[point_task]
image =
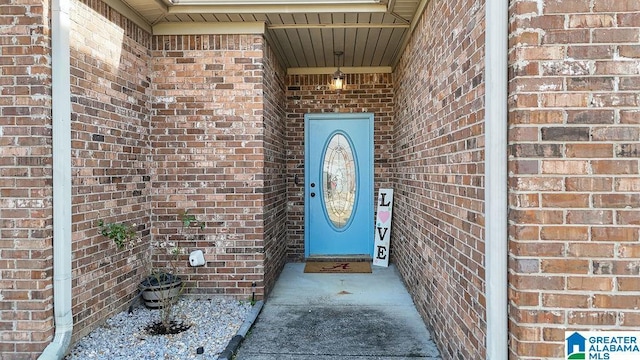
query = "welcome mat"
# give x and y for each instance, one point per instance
(344, 267)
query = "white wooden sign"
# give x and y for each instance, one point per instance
(383, 228)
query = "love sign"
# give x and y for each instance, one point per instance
(383, 228)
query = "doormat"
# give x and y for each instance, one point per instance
(343, 267)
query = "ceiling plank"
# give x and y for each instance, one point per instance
(274, 19)
(120, 7)
(248, 17)
(317, 43)
(370, 49)
(282, 38)
(222, 17)
(328, 41)
(306, 44)
(235, 17)
(209, 17)
(360, 46)
(276, 45)
(349, 41)
(261, 17)
(296, 46)
(394, 45)
(338, 46)
(383, 41)
(184, 17)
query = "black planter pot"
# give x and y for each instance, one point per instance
(160, 289)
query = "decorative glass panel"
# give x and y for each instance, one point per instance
(339, 180)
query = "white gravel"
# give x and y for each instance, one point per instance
(213, 323)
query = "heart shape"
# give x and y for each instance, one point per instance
(383, 216)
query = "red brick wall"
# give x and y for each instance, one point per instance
(26, 319)
(208, 139)
(438, 175)
(312, 93)
(110, 154)
(275, 168)
(574, 204)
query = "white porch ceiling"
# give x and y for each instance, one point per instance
(304, 33)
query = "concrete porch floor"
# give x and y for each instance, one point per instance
(338, 316)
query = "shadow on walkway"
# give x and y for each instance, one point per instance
(338, 316)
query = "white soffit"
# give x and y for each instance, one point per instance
(303, 33)
(130, 14)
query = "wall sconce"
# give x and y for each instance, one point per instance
(338, 77)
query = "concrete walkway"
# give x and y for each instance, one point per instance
(338, 316)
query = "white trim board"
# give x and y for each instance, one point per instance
(204, 28)
(347, 70)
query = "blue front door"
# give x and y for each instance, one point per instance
(338, 184)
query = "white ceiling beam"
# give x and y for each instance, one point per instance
(336, 26)
(344, 69)
(206, 6)
(206, 28)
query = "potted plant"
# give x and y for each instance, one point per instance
(162, 288)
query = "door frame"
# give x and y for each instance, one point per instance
(370, 204)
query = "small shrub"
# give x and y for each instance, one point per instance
(120, 233)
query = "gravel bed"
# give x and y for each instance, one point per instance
(213, 323)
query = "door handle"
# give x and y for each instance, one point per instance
(313, 185)
(313, 194)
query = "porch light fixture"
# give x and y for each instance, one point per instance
(338, 76)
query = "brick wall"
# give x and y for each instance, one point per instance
(110, 158)
(312, 93)
(574, 204)
(110, 154)
(275, 172)
(208, 157)
(26, 319)
(438, 175)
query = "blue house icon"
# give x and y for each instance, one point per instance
(575, 340)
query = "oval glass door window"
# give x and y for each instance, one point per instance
(339, 180)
